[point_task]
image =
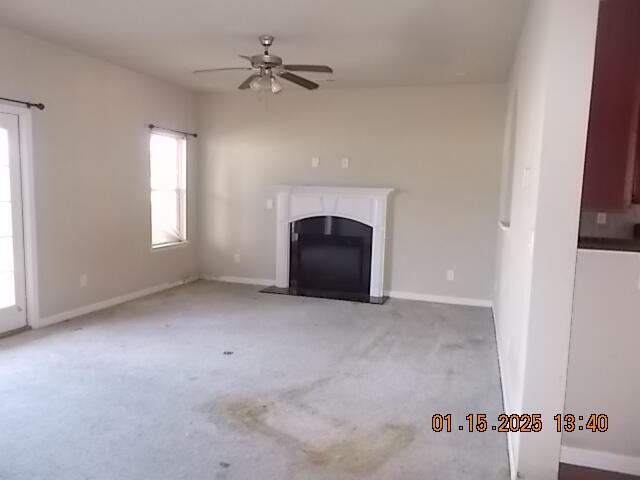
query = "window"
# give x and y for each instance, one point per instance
(168, 154)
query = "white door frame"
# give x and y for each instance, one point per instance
(28, 210)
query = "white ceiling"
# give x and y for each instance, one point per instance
(369, 43)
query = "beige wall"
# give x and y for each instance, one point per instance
(91, 171)
(603, 364)
(439, 147)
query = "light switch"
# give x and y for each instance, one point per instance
(269, 204)
(526, 177)
(345, 162)
(315, 162)
(532, 242)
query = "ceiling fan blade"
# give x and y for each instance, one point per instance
(309, 68)
(209, 70)
(303, 82)
(246, 57)
(244, 85)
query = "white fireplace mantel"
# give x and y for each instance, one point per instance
(365, 205)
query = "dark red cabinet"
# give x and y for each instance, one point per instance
(635, 196)
(612, 166)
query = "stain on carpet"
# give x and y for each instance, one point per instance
(321, 441)
(363, 453)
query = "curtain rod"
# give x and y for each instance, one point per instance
(186, 134)
(39, 106)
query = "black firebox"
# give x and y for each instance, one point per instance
(330, 257)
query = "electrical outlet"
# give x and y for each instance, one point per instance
(451, 275)
(601, 219)
(315, 162)
(84, 281)
(236, 258)
(345, 162)
(269, 204)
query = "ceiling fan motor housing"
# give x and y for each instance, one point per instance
(266, 61)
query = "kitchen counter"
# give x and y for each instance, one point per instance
(616, 244)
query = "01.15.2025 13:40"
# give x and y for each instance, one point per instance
(524, 423)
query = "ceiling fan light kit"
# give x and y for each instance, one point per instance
(275, 85)
(265, 82)
(267, 68)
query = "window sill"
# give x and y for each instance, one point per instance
(169, 246)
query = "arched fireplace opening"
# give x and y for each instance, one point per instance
(330, 257)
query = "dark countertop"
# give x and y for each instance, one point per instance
(615, 244)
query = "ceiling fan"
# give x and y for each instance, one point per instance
(267, 68)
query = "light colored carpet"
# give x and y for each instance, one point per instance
(313, 389)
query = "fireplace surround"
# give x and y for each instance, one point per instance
(367, 206)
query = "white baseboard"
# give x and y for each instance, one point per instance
(76, 312)
(244, 280)
(600, 460)
(470, 302)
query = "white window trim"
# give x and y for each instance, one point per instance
(182, 188)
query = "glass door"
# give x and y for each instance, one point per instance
(12, 276)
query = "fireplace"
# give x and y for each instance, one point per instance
(330, 257)
(330, 242)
